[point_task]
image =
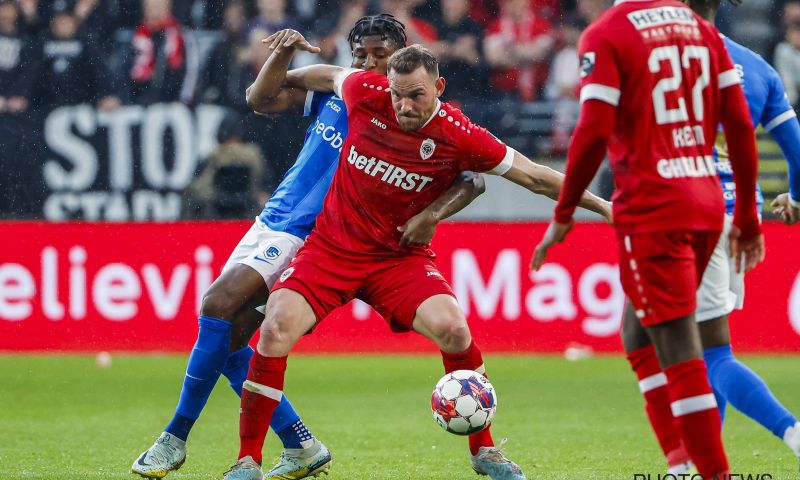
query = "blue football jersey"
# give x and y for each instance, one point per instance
(295, 204)
(768, 105)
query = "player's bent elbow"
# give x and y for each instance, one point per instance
(477, 182)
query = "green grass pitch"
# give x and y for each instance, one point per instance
(63, 417)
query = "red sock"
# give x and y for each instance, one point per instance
(469, 359)
(261, 393)
(695, 410)
(653, 385)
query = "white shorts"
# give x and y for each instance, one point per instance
(722, 289)
(266, 251)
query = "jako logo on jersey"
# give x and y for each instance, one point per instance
(329, 134)
(391, 174)
(377, 122)
(587, 63)
(287, 273)
(655, 17)
(427, 148)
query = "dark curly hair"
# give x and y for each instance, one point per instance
(383, 25)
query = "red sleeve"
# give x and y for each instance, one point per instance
(586, 152)
(738, 126)
(482, 151)
(600, 77)
(361, 86)
(600, 92)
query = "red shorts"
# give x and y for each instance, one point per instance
(395, 287)
(661, 271)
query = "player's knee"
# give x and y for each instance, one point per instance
(219, 304)
(283, 322)
(452, 332)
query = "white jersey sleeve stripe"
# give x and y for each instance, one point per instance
(505, 164)
(339, 79)
(307, 106)
(595, 91)
(787, 115)
(729, 79)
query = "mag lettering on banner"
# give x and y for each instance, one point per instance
(138, 287)
(153, 153)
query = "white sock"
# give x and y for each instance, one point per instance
(791, 437)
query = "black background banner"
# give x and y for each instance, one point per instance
(128, 164)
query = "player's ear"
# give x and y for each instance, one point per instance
(440, 84)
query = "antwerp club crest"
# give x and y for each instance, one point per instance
(426, 149)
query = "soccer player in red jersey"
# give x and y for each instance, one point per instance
(657, 80)
(403, 148)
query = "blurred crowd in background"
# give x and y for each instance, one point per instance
(512, 65)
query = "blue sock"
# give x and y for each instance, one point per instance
(236, 368)
(287, 425)
(746, 391)
(205, 365)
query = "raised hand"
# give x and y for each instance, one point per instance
(288, 38)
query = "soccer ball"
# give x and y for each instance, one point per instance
(463, 402)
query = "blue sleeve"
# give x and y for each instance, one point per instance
(313, 101)
(780, 120)
(787, 134)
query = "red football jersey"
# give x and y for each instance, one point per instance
(387, 175)
(662, 66)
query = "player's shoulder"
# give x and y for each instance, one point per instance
(367, 79)
(452, 121)
(742, 55)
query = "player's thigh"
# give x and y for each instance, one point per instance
(288, 316)
(254, 265)
(397, 288)
(440, 319)
(676, 341)
(325, 280)
(715, 332)
(658, 274)
(633, 334)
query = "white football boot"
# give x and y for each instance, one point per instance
(492, 462)
(166, 455)
(296, 463)
(244, 469)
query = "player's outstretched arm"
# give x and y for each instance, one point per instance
(419, 229)
(548, 182)
(787, 135)
(268, 94)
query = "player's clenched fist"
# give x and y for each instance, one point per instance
(289, 38)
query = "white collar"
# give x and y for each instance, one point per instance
(433, 115)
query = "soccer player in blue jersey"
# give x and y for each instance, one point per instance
(231, 310)
(722, 288)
